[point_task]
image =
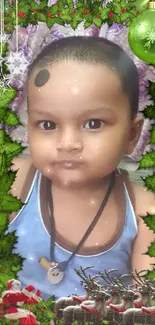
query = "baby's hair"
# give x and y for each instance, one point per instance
(94, 50)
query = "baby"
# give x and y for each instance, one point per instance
(80, 209)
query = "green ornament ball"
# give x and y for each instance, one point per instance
(141, 36)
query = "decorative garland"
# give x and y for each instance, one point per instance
(66, 12)
(63, 13)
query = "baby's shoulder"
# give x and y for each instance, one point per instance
(144, 199)
(22, 165)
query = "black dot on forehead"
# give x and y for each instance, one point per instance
(42, 77)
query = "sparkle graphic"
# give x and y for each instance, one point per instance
(150, 38)
(17, 63)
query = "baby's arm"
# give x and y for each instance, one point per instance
(144, 203)
(21, 165)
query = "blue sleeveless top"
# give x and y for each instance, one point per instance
(34, 242)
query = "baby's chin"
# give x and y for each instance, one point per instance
(68, 179)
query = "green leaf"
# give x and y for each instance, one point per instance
(12, 149)
(150, 182)
(87, 24)
(23, 6)
(7, 243)
(70, 4)
(7, 96)
(4, 49)
(33, 19)
(117, 19)
(8, 203)
(4, 221)
(149, 220)
(74, 24)
(51, 22)
(151, 250)
(133, 12)
(150, 274)
(148, 160)
(23, 22)
(67, 19)
(104, 13)
(2, 113)
(34, 5)
(3, 167)
(77, 17)
(152, 135)
(41, 17)
(7, 180)
(43, 4)
(97, 22)
(149, 112)
(89, 17)
(116, 8)
(123, 4)
(79, 4)
(124, 16)
(2, 137)
(48, 314)
(54, 9)
(11, 119)
(65, 11)
(59, 21)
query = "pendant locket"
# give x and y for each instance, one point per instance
(54, 274)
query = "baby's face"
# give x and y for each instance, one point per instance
(79, 121)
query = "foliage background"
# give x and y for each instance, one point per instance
(61, 12)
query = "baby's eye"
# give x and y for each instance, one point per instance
(47, 125)
(93, 124)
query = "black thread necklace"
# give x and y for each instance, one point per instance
(56, 272)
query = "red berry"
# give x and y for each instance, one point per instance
(86, 11)
(35, 11)
(97, 16)
(59, 13)
(21, 14)
(123, 9)
(49, 15)
(110, 14)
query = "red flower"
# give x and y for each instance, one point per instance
(35, 11)
(86, 11)
(97, 16)
(110, 14)
(123, 9)
(59, 13)
(49, 15)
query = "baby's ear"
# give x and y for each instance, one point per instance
(135, 132)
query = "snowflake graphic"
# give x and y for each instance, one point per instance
(17, 63)
(5, 81)
(150, 38)
(1, 60)
(4, 38)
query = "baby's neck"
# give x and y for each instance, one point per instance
(82, 191)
